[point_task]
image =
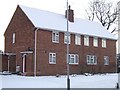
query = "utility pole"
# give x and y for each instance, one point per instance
(68, 68)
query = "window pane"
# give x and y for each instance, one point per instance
(52, 58)
(65, 40)
(104, 43)
(73, 58)
(54, 55)
(77, 39)
(76, 59)
(86, 40)
(55, 37)
(95, 60)
(91, 59)
(72, 55)
(106, 60)
(95, 42)
(13, 37)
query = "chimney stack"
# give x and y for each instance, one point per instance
(70, 14)
(119, 27)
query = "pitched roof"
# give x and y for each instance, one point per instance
(53, 21)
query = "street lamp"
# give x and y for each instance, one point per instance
(68, 69)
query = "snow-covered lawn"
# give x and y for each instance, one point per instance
(79, 81)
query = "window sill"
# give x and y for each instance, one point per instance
(77, 44)
(106, 64)
(91, 64)
(74, 63)
(86, 45)
(66, 43)
(52, 63)
(95, 46)
(55, 42)
(104, 47)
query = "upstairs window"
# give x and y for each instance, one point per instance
(77, 39)
(95, 41)
(55, 37)
(13, 37)
(52, 58)
(67, 39)
(86, 40)
(106, 60)
(91, 60)
(104, 43)
(73, 58)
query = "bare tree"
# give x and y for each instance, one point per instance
(104, 12)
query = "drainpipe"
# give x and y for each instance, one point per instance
(35, 54)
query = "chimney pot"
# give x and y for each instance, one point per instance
(69, 7)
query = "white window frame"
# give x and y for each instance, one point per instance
(65, 38)
(52, 56)
(104, 43)
(95, 42)
(55, 36)
(77, 39)
(73, 59)
(86, 40)
(106, 60)
(91, 59)
(13, 37)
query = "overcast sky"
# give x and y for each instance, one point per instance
(7, 8)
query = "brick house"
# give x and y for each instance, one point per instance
(38, 39)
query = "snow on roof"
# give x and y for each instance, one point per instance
(53, 21)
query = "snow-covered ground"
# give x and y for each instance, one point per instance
(78, 81)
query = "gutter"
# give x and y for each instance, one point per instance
(63, 31)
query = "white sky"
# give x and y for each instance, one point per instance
(7, 8)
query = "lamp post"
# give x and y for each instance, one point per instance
(68, 69)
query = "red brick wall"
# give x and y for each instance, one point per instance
(4, 62)
(45, 46)
(24, 30)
